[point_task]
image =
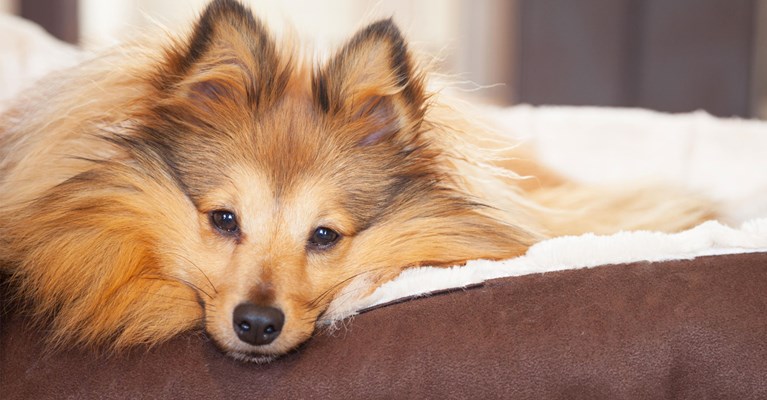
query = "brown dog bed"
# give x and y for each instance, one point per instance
(691, 329)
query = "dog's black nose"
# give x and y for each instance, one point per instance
(257, 325)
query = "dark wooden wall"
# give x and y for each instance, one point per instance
(58, 17)
(669, 55)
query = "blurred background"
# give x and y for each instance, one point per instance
(667, 55)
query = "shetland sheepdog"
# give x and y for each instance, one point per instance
(221, 181)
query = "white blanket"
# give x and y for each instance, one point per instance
(725, 159)
(27, 53)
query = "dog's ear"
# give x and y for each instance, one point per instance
(372, 81)
(229, 57)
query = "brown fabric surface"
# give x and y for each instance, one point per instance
(683, 329)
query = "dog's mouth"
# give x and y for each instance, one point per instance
(226, 339)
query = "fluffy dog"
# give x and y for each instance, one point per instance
(220, 181)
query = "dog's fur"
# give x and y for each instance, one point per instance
(109, 173)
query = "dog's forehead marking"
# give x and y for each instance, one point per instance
(285, 213)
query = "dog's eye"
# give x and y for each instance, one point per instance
(323, 238)
(225, 221)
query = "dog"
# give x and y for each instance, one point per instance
(220, 181)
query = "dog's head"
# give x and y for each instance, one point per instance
(300, 178)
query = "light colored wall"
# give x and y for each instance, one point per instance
(472, 37)
(8, 6)
(326, 21)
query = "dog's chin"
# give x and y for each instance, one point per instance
(243, 352)
(251, 357)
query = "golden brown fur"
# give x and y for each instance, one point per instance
(110, 172)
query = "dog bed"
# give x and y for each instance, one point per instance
(631, 315)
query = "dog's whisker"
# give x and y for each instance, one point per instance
(316, 303)
(182, 281)
(180, 299)
(193, 264)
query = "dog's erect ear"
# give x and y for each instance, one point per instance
(230, 56)
(373, 81)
